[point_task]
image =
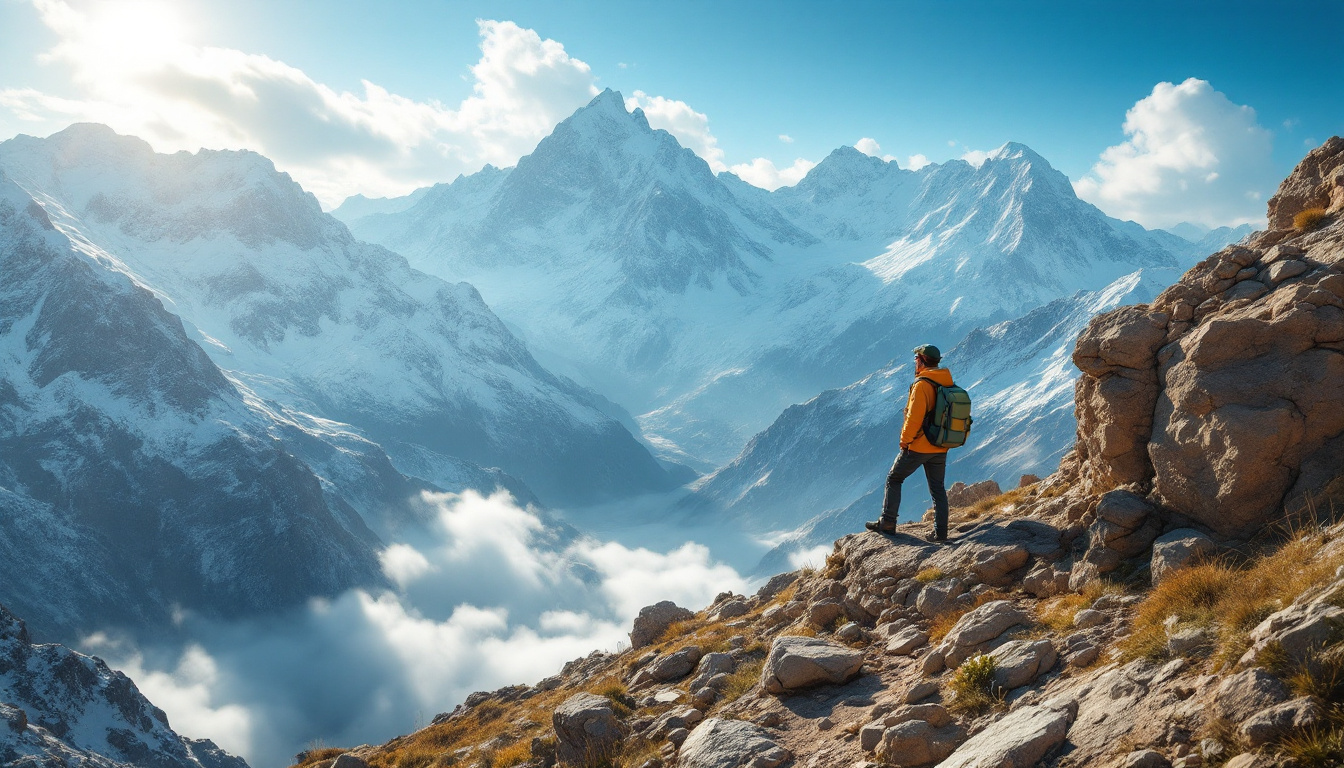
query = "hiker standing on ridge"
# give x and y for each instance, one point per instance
(925, 439)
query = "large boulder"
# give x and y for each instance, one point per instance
(978, 630)
(665, 669)
(1019, 740)
(720, 743)
(918, 742)
(586, 729)
(802, 662)
(1019, 662)
(1247, 692)
(653, 621)
(1178, 549)
(1296, 716)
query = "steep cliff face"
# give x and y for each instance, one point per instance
(1223, 396)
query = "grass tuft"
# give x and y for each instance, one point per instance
(1307, 220)
(929, 575)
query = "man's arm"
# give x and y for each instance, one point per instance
(916, 408)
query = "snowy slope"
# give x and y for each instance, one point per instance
(706, 306)
(821, 466)
(63, 708)
(282, 297)
(134, 475)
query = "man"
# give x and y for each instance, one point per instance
(916, 450)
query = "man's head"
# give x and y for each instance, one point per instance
(928, 355)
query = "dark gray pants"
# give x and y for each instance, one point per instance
(935, 471)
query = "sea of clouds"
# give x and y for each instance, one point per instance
(487, 595)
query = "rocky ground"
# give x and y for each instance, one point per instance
(1172, 596)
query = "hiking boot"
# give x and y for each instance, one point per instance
(934, 538)
(880, 526)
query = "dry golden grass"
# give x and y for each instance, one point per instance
(929, 575)
(835, 565)
(1309, 219)
(1229, 596)
(1320, 747)
(317, 754)
(740, 682)
(985, 506)
(1056, 613)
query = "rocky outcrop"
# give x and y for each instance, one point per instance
(731, 744)
(1221, 397)
(64, 708)
(586, 729)
(963, 495)
(653, 621)
(1021, 739)
(802, 662)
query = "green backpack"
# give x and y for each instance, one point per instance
(949, 421)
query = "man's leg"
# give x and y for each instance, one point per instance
(905, 465)
(935, 471)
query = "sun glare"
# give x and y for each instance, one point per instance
(137, 33)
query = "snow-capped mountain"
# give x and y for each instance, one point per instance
(62, 708)
(136, 479)
(706, 306)
(282, 297)
(821, 467)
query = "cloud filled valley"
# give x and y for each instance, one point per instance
(485, 599)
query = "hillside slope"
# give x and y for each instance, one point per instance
(1110, 615)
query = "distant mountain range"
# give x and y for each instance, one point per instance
(707, 306)
(189, 334)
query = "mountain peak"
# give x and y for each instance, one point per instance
(1016, 151)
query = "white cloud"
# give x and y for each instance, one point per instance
(1192, 155)
(677, 118)
(976, 157)
(871, 148)
(404, 564)
(488, 597)
(763, 173)
(786, 138)
(809, 558)
(133, 67)
(917, 161)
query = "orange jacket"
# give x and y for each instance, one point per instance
(917, 407)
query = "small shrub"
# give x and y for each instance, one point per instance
(835, 565)
(1307, 220)
(972, 686)
(929, 575)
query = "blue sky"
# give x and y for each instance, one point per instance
(929, 80)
